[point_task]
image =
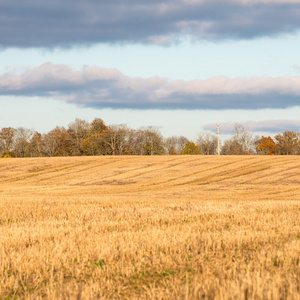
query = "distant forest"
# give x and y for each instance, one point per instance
(96, 138)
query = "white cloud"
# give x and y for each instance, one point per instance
(271, 126)
(99, 87)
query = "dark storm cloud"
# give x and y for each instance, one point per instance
(271, 126)
(40, 23)
(98, 88)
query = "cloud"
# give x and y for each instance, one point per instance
(271, 126)
(55, 23)
(102, 88)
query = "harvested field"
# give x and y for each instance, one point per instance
(165, 227)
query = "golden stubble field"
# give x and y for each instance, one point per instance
(168, 227)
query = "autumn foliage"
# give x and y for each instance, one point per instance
(82, 138)
(266, 146)
(191, 149)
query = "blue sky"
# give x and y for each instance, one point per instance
(181, 65)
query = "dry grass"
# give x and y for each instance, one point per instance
(150, 228)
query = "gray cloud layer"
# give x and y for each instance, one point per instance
(97, 87)
(272, 126)
(38, 23)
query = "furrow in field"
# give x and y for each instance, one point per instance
(42, 175)
(75, 174)
(131, 172)
(201, 175)
(261, 172)
(243, 173)
(184, 175)
(274, 175)
(207, 173)
(35, 168)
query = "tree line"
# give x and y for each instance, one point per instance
(96, 138)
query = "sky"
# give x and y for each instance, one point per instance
(181, 66)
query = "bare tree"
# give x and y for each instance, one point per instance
(153, 141)
(22, 141)
(232, 147)
(288, 143)
(51, 142)
(78, 131)
(208, 143)
(116, 138)
(145, 141)
(57, 143)
(175, 144)
(245, 138)
(36, 145)
(7, 139)
(135, 142)
(242, 142)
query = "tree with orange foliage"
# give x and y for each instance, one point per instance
(266, 146)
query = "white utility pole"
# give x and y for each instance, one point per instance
(218, 126)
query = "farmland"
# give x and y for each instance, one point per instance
(162, 227)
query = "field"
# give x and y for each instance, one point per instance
(169, 227)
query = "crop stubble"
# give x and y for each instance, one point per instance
(175, 227)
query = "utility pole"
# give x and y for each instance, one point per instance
(218, 126)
